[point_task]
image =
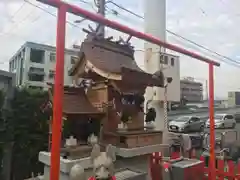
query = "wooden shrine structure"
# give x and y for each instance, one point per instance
(115, 85)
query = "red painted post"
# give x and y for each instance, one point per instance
(238, 169)
(212, 127)
(231, 169)
(220, 168)
(175, 155)
(155, 166)
(58, 94)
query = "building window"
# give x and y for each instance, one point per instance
(10, 66)
(52, 57)
(36, 74)
(51, 74)
(165, 59)
(172, 62)
(74, 59)
(14, 64)
(36, 77)
(37, 56)
(23, 53)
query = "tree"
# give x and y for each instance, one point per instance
(27, 127)
(1, 130)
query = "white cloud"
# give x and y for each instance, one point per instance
(210, 23)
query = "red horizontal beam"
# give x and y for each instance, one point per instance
(117, 26)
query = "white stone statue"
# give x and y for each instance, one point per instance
(103, 167)
(92, 139)
(102, 162)
(71, 141)
(122, 127)
(77, 173)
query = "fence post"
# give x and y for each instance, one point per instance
(220, 165)
(231, 169)
(238, 169)
(155, 166)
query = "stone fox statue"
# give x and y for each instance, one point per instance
(103, 167)
(77, 173)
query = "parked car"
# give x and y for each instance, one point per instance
(204, 119)
(223, 121)
(186, 124)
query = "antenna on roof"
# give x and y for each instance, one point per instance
(128, 39)
(91, 29)
(125, 42)
(93, 32)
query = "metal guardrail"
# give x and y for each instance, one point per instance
(186, 112)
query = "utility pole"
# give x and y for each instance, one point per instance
(101, 10)
(206, 86)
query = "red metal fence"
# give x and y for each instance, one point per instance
(224, 169)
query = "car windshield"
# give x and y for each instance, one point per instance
(218, 116)
(182, 119)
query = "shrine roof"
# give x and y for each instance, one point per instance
(107, 55)
(75, 102)
(112, 57)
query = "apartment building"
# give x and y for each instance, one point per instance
(191, 90)
(34, 65)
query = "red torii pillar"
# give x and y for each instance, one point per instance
(63, 8)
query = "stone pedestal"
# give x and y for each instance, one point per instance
(65, 165)
(134, 158)
(133, 139)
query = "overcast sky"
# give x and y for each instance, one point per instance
(212, 24)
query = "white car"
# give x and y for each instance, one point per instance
(223, 121)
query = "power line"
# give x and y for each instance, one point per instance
(139, 16)
(50, 13)
(15, 25)
(15, 13)
(235, 64)
(170, 32)
(89, 4)
(18, 10)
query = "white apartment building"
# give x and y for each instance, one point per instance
(34, 65)
(191, 90)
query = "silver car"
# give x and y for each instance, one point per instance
(223, 121)
(186, 124)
